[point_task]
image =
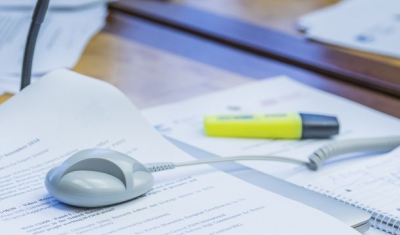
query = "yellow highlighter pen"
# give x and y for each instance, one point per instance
(272, 126)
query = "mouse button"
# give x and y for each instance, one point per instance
(53, 176)
(82, 155)
(98, 165)
(96, 154)
(90, 183)
(65, 167)
(142, 180)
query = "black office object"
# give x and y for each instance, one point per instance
(37, 20)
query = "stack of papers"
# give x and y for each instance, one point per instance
(98, 115)
(183, 121)
(63, 38)
(368, 25)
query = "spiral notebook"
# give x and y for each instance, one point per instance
(373, 186)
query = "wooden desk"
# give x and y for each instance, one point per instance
(153, 65)
(265, 27)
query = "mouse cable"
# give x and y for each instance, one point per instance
(316, 160)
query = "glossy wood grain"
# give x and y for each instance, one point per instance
(373, 72)
(5, 97)
(281, 15)
(155, 65)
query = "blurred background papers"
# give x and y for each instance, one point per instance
(53, 3)
(367, 25)
(62, 40)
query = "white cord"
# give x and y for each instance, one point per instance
(162, 166)
(318, 158)
(381, 144)
(242, 158)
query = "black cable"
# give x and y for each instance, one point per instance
(37, 20)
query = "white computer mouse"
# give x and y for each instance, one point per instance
(98, 177)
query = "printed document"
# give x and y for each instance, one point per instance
(65, 112)
(184, 121)
(368, 25)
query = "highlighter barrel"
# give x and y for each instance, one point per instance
(272, 126)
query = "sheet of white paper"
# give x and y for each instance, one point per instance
(369, 25)
(63, 37)
(53, 3)
(65, 112)
(305, 22)
(184, 121)
(375, 9)
(380, 37)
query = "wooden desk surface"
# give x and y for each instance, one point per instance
(280, 15)
(153, 65)
(265, 27)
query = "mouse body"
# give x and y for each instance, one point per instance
(98, 177)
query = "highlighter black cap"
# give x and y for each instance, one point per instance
(318, 126)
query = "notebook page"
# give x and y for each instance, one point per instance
(373, 186)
